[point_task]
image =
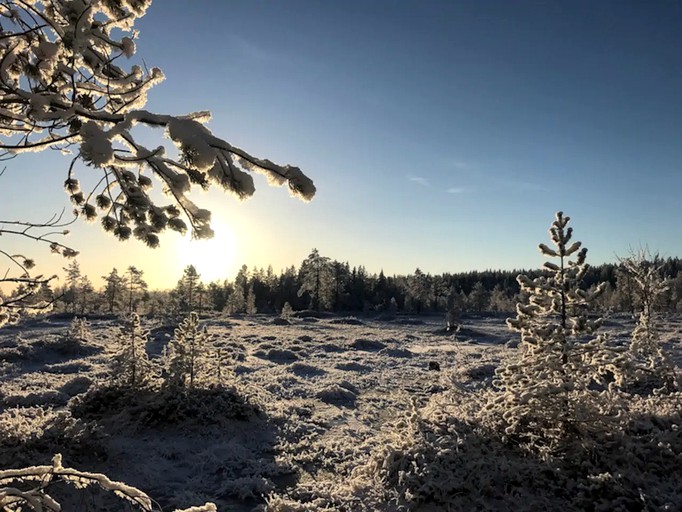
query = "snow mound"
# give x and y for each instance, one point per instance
(396, 352)
(368, 345)
(306, 370)
(343, 393)
(148, 407)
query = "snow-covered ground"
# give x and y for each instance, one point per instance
(321, 395)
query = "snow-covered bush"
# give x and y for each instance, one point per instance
(79, 330)
(186, 358)
(28, 434)
(76, 340)
(287, 311)
(29, 488)
(440, 458)
(63, 87)
(159, 407)
(131, 366)
(557, 386)
(649, 365)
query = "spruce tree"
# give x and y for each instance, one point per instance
(549, 392)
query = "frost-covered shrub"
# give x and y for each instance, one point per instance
(287, 311)
(163, 406)
(440, 458)
(454, 308)
(648, 364)
(131, 366)
(28, 433)
(33, 488)
(186, 359)
(76, 340)
(557, 386)
(79, 330)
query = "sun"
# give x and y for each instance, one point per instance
(214, 259)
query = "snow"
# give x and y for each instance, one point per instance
(328, 398)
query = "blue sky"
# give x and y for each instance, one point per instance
(440, 135)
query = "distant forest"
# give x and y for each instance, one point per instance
(322, 284)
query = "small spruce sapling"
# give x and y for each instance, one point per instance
(649, 364)
(131, 366)
(76, 339)
(549, 392)
(79, 331)
(186, 357)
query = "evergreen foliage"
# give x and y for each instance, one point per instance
(135, 286)
(287, 311)
(354, 290)
(454, 310)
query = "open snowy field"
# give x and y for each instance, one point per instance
(321, 396)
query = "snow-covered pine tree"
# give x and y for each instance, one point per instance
(650, 365)
(62, 86)
(236, 301)
(131, 366)
(72, 291)
(418, 291)
(186, 358)
(547, 393)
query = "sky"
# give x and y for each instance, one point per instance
(442, 135)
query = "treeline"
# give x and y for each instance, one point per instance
(323, 284)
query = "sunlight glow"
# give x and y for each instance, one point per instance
(214, 259)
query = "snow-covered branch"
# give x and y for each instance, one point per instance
(27, 297)
(60, 87)
(42, 477)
